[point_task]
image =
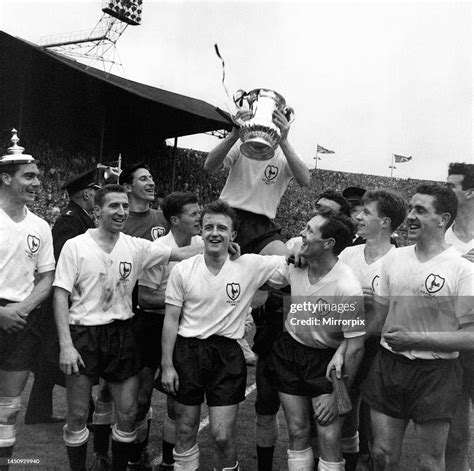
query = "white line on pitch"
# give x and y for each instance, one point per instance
(205, 422)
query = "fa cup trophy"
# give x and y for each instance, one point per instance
(259, 135)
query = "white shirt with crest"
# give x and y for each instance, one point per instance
(25, 247)
(255, 185)
(368, 274)
(217, 304)
(323, 314)
(101, 284)
(432, 296)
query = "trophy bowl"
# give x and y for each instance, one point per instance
(259, 135)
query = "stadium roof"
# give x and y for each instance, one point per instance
(49, 96)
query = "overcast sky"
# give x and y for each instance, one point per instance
(365, 79)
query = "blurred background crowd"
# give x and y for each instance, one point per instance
(178, 169)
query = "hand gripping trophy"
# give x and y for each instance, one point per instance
(259, 134)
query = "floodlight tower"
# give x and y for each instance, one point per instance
(99, 45)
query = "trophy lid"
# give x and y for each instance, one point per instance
(15, 153)
(266, 92)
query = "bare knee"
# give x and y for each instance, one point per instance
(77, 415)
(126, 417)
(186, 431)
(299, 431)
(383, 455)
(329, 437)
(223, 438)
(144, 402)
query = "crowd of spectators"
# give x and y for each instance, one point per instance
(182, 170)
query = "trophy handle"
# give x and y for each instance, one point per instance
(289, 113)
(239, 97)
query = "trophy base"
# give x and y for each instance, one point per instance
(257, 149)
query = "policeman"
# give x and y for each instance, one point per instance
(77, 217)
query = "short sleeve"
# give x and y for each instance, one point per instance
(66, 268)
(45, 260)
(354, 315)
(280, 277)
(153, 254)
(175, 288)
(464, 301)
(151, 278)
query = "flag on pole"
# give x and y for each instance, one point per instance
(111, 169)
(401, 158)
(322, 150)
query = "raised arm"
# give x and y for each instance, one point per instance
(182, 253)
(298, 168)
(216, 156)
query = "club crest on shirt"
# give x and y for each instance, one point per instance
(33, 243)
(233, 290)
(375, 282)
(434, 283)
(157, 232)
(271, 172)
(125, 268)
(323, 308)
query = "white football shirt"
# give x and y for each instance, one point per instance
(101, 284)
(25, 247)
(334, 307)
(432, 296)
(253, 185)
(217, 304)
(368, 274)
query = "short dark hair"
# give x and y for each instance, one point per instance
(221, 207)
(337, 197)
(457, 168)
(127, 174)
(339, 227)
(389, 204)
(105, 190)
(445, 200)
(11, 169)
(174, 203)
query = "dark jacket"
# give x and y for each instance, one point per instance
(72, 222)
